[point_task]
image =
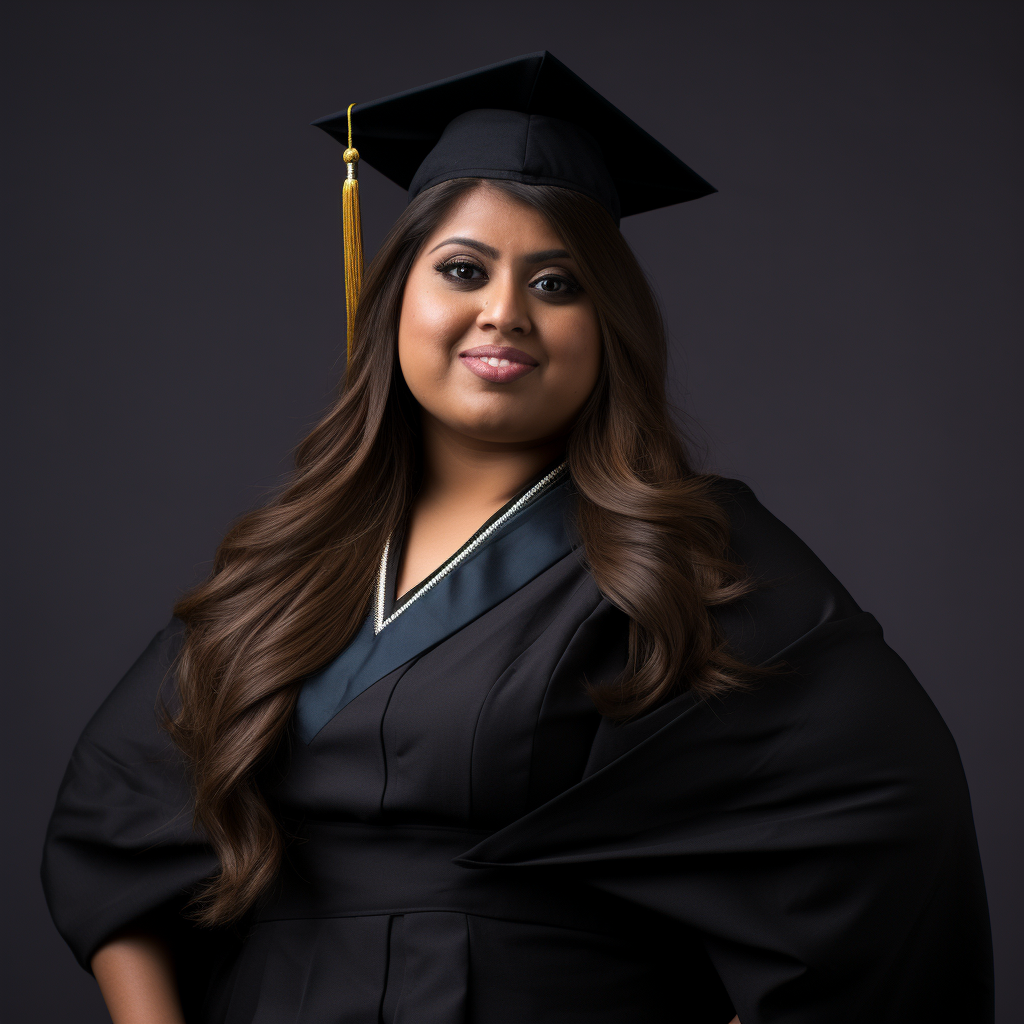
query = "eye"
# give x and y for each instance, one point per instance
(555, 284)
(460, 269)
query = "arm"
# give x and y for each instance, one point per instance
(814, 830)
(136, 976)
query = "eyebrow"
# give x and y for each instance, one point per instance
(533, 257)
(487, 250)
(547, 254)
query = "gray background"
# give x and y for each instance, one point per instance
(843, 320)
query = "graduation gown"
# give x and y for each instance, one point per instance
(472, 843)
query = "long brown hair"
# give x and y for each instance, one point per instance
(291, 581)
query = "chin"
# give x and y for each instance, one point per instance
(498, 433)
(483, 421)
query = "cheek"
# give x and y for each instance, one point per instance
(431, 323)
(574, 348)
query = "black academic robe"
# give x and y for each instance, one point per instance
(474, 844)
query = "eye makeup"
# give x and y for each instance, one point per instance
(465, 270)
(460, 269)
(564, 285)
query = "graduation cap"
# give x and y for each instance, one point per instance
(529, 119)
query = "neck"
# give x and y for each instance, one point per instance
(479, 473)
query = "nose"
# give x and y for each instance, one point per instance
(504, 307)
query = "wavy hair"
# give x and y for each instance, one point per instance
(292, 580)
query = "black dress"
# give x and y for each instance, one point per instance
(474, 844)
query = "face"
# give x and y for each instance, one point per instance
(496, 340)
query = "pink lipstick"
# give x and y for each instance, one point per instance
(498, 363)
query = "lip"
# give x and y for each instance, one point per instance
(518, 363)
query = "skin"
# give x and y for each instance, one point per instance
(500, 284)
(494, 272)
(136, 976)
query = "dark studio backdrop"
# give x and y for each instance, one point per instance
(843, 322)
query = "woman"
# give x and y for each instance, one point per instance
(500, 712)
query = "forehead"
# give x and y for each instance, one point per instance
(491, 216)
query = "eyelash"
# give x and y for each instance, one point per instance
(444, 267)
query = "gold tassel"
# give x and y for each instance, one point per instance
(352, 234)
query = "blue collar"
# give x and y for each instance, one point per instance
(486, 570)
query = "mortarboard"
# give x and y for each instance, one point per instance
(529, 119)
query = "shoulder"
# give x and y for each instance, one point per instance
(793, 592)
(134, 707)
(845, 691)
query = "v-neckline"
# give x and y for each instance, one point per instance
(386, 608)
